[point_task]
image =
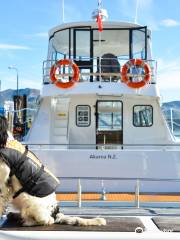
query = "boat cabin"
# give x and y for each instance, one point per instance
(99, 88)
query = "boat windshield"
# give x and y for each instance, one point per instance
(96, 52)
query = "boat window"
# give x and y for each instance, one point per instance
(82, 41)
(83, 116)
(60, 45)
(98, 56)
(109, 115)
(138, 39)
(111, 41)
(142, 116)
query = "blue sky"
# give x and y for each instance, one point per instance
(24, 26)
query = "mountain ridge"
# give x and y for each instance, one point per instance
(8, 94)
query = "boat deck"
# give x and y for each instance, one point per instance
(118, 220)
(122, 223)
(121, 197)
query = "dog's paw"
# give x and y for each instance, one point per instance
(43, 222)
(28, 223)
(49, 221)
(100, 221)
(91, 222)
(59, 218)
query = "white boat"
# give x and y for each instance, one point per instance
(107, 122)
(100, 128)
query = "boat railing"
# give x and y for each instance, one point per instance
(95, 70)
(172, 116)
(106, 147)
(105, 198)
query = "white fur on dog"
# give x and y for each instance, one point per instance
(35, 210)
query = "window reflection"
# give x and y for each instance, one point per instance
(109, 115)
(143, 116)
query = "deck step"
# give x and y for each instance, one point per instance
(59, 130)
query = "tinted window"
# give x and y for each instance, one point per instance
(142, 116)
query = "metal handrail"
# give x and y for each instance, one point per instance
(171, 120)
(95, 66)
(101, 147)
(104, 145)
(147, 179)
(137, 186)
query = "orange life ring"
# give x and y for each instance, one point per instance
(138, 63)
(74, 79)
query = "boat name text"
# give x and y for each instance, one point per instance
(103, 156)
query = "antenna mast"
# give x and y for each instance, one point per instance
(99, 4)
(136, 14)
(63, 11)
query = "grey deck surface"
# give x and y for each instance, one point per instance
(167, 224)
(123, 224)
(118, 219)
(119, 211)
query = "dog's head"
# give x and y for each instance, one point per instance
(3, 131)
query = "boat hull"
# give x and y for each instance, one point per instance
(158, 170)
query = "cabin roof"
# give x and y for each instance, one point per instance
(93, 24)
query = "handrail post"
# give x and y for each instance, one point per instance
(137, 194)
(103, 195)
(79, 193)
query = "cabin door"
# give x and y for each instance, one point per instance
(82, 52)
(109, 128)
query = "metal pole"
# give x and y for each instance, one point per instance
(103, 195)
(99, 4)
(79, 193)
(137, 194)
(17, 83)
(136, 14)
(99, 8)
(171, 116)
(17, 78)
(63, 11)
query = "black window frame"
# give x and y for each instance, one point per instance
(91, 29)
(97, 126)
(73, 29)
(140, 105)
(89, 107)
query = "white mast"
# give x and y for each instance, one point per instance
(99, 4)
(63, 11)
(136, 13)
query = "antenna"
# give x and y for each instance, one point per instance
(63, 11)
(136, 14)
(99, 4)
(100, 11)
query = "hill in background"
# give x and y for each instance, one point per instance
(7, 95)
(175, 106)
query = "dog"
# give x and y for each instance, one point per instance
(34, 197)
